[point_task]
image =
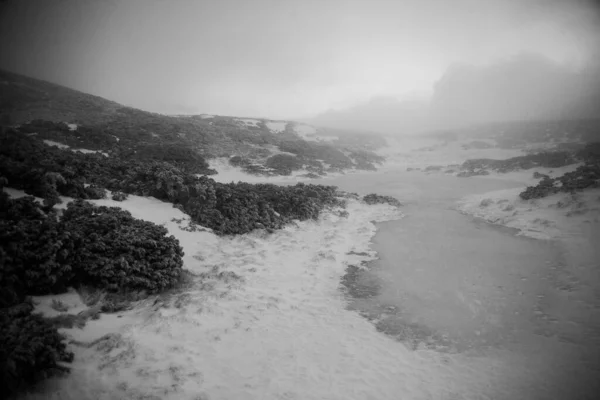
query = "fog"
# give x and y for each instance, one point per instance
(393, 66)
(527, 86)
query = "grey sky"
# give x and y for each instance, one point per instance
(278, 58)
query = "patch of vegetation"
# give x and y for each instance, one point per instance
(377, 199)
(545, 159)
(115, 251)
(585, 176)
(100, 246)
(475, 172)
(337, 160)
(119, 196)
(284, 164)
(30, 349)
(232, 208)
(183, 141)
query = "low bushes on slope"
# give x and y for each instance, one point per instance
(113, 250)
(231, 208)
(30, 349)
(585, 176)
(283, 163)
(41, 254)
(103, 247)
(378, 199)
(546, 159)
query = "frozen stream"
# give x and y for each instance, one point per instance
(449, 282)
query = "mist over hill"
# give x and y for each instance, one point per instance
(259, 146)
(525, 87)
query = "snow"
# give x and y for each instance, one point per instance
(72, 127)
(547, 218)
(87, 151)
(206, 116)
(264, 320)
(64, 146)
(227, 173)
(276, 126)
(56, 144)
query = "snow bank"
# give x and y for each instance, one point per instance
(64, 147)
(87, 151)
(550, 217)
(56, 144)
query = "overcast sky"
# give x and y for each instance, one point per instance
(278, 58)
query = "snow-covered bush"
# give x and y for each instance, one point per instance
(377, 199)
(30, 349)
(119, 196)
(116, 251)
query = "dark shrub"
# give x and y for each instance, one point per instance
(34, 251)
(30, 349)
(283, 163)
(238, 161)
(116, 251)
(95, 192)
(119, 196)
(377, 199)
(585, 176)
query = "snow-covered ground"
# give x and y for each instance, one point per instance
(227, 173)
(551, 217)
(276, 126)
(64, 147)
(264, 320)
